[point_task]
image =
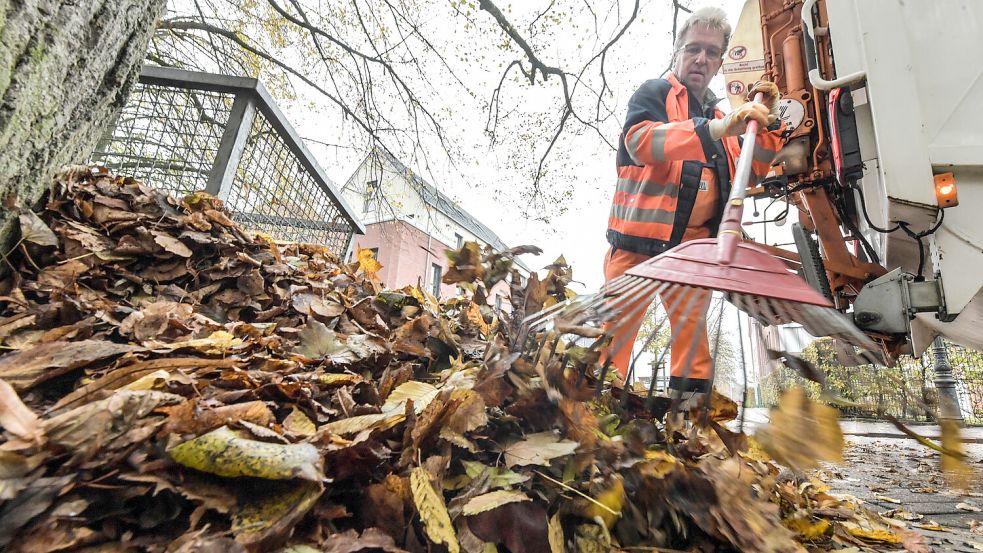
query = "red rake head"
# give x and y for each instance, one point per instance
(752, 271)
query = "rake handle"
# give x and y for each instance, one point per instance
(730, 227)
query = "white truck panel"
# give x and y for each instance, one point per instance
(921, 113)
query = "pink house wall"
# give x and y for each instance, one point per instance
(406, 258)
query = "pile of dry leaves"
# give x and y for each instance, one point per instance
(170, 382)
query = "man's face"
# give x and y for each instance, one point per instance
(699, 59)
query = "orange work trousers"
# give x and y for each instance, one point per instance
(690, 363)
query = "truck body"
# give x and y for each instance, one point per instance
(883, 100)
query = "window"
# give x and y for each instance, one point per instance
(375, 253)
(498, 303)
(371, 194)
(459, 239)
(436, 280)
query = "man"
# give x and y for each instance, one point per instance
(676, 156)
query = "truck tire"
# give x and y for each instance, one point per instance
(813, 269)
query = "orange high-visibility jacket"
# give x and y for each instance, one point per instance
(664, 148)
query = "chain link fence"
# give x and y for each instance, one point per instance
(906, 391)
(185, 131)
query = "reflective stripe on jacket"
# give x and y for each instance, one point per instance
(664, 147)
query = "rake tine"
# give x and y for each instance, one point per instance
(634, 361)
(658, 363)
(587, 309)
(627, 298)
(648, 342)
(640, 304)
(695, 293)
(600, 383)
(713, 359)
(586, 302)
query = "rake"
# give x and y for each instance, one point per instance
(751, 278)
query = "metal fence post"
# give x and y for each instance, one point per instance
(945, 383)
(231, 147)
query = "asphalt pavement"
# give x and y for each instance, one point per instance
(890, 471)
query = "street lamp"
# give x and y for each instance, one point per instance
(945, 383)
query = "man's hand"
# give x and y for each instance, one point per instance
(735, 122)
(770, 92)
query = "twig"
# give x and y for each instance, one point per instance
(580, 493)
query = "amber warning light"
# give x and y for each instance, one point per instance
(945, 190)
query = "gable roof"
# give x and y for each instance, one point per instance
(439, 201)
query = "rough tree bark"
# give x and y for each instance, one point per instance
(65, 69)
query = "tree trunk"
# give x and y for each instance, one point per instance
(66, 67)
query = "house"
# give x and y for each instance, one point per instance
(410, 224)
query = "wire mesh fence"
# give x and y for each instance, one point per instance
(906, 391)
(184, 131)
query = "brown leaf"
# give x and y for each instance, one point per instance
(411, 337)
(386, 505)
(29, 503)
(28, 368)
(62, 276)
(721, 408)
(521, 527)
(370, 540)
(86, 430)
(171, 244)
(191, 418)
(17, 418)
(154, 319)
(33, 229)
(464, 264)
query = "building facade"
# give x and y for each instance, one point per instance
(410, 225)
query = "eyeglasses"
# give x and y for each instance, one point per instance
(712, 52)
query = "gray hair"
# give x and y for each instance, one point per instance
(711, 18)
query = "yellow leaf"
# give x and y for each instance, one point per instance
(224, 453)
(555, 534)
(802, 432)
(148, 382)
(805, 529)
(492, 500)
(420, 392)
(367, 262)
(474, 317)
(930, 525)
(954, 467)
(338, 379)
(299, 424)
(275, 512)
(613, 498)
(354, 425)
(881, 536)
(433, 512)
(658, 464)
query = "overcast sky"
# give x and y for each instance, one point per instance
(579, 233)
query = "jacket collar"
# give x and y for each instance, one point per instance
(709, 98)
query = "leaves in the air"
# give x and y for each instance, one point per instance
(367, 263)
(802, 432)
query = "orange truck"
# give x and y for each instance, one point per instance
(883, 102)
